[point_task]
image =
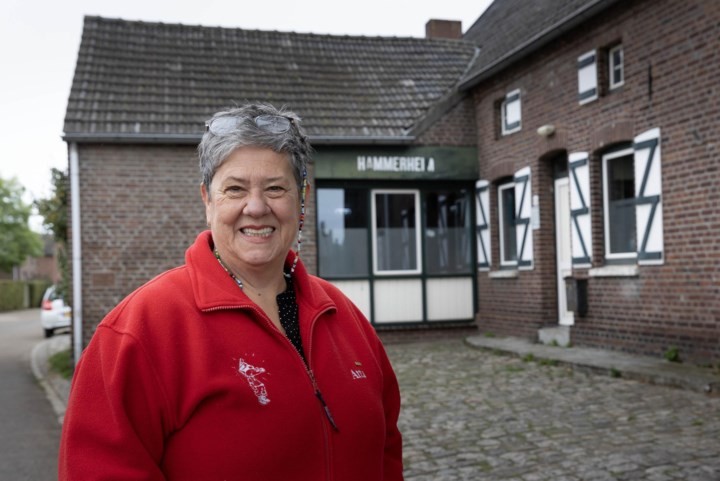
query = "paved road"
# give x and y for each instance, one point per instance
(29, 429)
(471, 414)
(468, 414)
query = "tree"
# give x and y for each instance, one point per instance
(54, 211)
(17, 240)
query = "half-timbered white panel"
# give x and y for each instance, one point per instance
(580, 218)
(648, 196)
(523, 212)
(482, 223)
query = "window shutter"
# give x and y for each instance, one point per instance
(523, 210)
(482, 220)
(648, 198)
(587, 77)
(512, 112)
(580, 220)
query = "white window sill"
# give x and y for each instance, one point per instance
(503, 274)
(614, 271)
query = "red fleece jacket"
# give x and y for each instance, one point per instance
(187, 379)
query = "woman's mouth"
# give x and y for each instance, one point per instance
(261, 232)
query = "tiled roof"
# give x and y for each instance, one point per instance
(138, 80)
(511, 29)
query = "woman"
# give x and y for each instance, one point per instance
(237, 365)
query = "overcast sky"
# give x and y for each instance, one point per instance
(39, 42)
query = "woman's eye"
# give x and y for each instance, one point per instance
(275, 189)
(233, 190)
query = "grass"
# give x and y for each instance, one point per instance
(61, 363)
(672, 354)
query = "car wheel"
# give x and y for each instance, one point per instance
(49, 332)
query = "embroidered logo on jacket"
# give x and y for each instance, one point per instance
(358, 373)
(251, 373)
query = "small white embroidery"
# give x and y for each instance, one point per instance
(358, 374)
(251, 373)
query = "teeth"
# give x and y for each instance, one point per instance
(265, 231)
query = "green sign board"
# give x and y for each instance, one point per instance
(405, 163)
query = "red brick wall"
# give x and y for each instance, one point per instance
(140, 210)
(676, 44)
(454, 128)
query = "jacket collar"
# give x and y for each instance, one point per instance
(214, 289)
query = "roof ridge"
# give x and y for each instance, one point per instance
(119, 20)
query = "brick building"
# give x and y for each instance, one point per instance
(587, 130)
(391, 137)
(598, 125)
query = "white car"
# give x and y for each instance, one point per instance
(55, 314)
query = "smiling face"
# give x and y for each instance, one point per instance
(253, 209)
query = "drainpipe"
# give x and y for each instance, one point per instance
(76, 251)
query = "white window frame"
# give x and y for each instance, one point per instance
(612, 67)
(509, 100)
(606, 207)
(501, 225)
(418, 233)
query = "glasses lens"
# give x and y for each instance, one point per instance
(276, 124)
(224, 125)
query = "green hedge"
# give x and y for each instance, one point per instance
(12, 295)
(36, 289)
(20, 294)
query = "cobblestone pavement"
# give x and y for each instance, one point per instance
(472, 414)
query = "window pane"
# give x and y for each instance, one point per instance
(621, 204)
(343, 232)
(396, 232)
(507, 223)
(448, 231)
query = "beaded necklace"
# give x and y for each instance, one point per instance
(237, 280)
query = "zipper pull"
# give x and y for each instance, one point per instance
(318, 394)
(326, 409)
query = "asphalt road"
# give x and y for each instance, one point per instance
(29, 428)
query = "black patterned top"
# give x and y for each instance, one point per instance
(288, 309)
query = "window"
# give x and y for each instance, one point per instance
(587, 77)
(510, 113)
(342, 232)
(506, 216)
(616, 69)
(396, 236)
(619, 205)
(447, 232)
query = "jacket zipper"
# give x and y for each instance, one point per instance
(318, 394)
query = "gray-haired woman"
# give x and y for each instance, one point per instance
(237, 365)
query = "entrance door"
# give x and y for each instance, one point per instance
(563, 252)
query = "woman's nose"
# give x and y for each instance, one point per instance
(256, 205)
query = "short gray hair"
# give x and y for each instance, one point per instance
(214, 149)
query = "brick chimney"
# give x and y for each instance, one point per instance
(443, 29)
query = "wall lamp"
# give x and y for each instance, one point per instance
(546, 130)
